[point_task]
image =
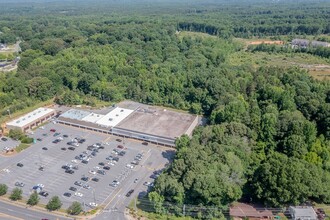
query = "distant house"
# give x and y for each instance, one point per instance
(2, 46)
(320, 44)
(302, 213)
(242, 211)
(303, 43)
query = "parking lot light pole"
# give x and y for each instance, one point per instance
(93, 191)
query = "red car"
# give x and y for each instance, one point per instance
(120, 146)
(52, 130)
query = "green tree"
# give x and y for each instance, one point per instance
(34, 199)
(158, 201)
(54, 203)
(75, 208)
(16, 194)
(16, 134)
(3, 189)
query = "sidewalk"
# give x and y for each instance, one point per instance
(43, 210)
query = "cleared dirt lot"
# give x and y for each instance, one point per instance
(57, 182)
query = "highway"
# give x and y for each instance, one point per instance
(20, 213)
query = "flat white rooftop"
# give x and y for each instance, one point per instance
(92, 117)
(30, 117)
(114, 117)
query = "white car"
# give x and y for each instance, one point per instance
(74, 161)
(78, 194)
(41, 185)
(97, 167)
(92, 172)
(111, 163)
(86, 186)
(129, 166)
(93, 204)
(6, 170)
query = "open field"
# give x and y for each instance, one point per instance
(318, 68)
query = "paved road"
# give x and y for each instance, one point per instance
(24, 213)
(115, 208)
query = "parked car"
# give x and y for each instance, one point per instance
(44, 148)
(101, 164)
(106, 168)
(71, 148)
(4, 139)
(20, 165)
(130, 166)
(69, 171)
(65, 135)
(85, 178)
(114, 183)
(129, 193)
(39, 139)
(102, 172)
(93, 204)
(52, 130)
(73, 188)
(120, 146)
(122, 153)
(20, 184)
(86, 186)
(119, 140)
(78, 194)
(95, 179)
(63, 148)
(145, 143)
(44, 194)
(56, 141)
(77, 183)
(67, 194)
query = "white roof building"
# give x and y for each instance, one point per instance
(92, 117)
(114, 117)
(302, 213)
(31, 119)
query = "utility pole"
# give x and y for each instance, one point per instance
(184, 210)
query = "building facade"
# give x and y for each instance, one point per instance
(32, 119)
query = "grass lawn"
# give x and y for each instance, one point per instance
(141, 214)
(21, 147)
(326, 209)
(318, 67)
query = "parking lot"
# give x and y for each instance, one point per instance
(44, 161)
(7, 144)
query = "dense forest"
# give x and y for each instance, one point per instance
(268, 133)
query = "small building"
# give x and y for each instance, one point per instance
(300, 43)
(302, 213)
(303, 43)
(32, 119)
(320, 44)
(3, 46)
(242, 211)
